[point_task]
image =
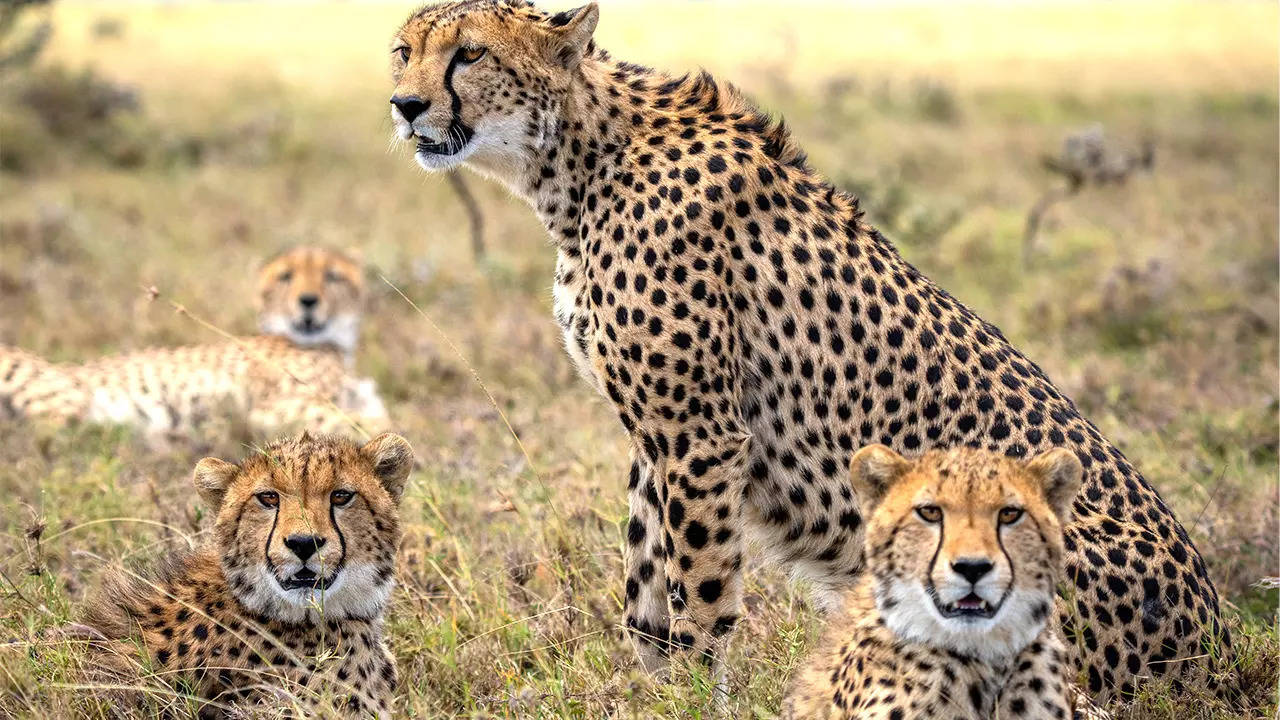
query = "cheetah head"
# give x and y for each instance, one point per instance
(308, 528)
(483, 81)
(312, 296)
(964, 546)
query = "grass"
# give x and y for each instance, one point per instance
(1153, 304)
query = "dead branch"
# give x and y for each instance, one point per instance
(474, 215)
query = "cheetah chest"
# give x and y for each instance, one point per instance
(573, 314)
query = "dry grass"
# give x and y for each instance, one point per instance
(1154, 304)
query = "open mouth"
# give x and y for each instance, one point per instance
(969, 606)
(309, 326)
(456, 138)
(305, 578)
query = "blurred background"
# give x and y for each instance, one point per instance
(1097, 179)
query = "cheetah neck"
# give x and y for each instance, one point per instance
(615, 122)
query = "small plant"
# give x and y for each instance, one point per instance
(44, 106)
(1087, 159)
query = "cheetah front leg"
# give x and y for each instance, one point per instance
(702, 521)
(669, 368)
(647, 613)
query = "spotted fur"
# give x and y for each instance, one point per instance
(954, 616)
(752, 331)
(284, 605)
(296, 374)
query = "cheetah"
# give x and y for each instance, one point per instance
(284, 603)
(752, 330)
(953, 617)
(296, 373)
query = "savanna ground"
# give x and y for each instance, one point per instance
(1153, 303)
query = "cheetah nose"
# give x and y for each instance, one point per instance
(972, 570)
(304, 546)
(308, 301)
(410, 107)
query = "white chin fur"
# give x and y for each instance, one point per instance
(355, 592)
(914, 618)
(341, 331)
(432, 162)
(496, 149)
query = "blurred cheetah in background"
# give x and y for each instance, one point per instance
(296, 374)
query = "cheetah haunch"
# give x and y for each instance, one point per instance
(752, 331)
(283, 607)
(296, 374)
(953, 618)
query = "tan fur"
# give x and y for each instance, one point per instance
(219, 621)
(313, 296)
(297, 374)
(751, 330)
(890, 652)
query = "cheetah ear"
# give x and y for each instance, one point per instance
(392, 460)
(212, 477)
(1059, 472)
(873, 470)
(571, 34)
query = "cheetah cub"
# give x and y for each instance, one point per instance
(296, 374)
(953, 618)
(283, 607)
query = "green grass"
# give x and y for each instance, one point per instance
(1153, 304)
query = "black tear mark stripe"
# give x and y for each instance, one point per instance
(266, 551)
(455, 108)
(342, 542)
(1013, 571)
(333, 519)
(933, 561)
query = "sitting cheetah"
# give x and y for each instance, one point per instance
(752, 330)
(951, 620)
(285, 603)
(296, 373)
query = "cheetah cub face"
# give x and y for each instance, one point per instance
(483, 82)
(964, 547)
(312, 296)
(308, 530)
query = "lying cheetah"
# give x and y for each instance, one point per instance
(297, 373)
(963, 552)
(752, 331)
(284, 605)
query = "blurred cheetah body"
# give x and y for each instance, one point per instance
(752, 332)
(296, 375)
(284, 606)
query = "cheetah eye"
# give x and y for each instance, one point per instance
(404, 51)
(469, 54)
(285, 276)
(341, 497)
(1010, 515)
(268, 499)
(930, 513)
(332, 276)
